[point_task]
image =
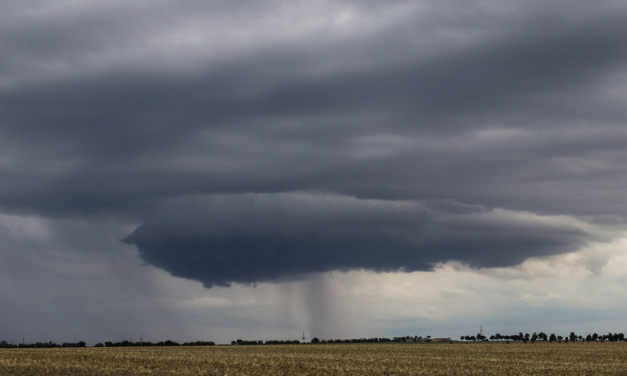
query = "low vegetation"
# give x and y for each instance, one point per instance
(418, 358)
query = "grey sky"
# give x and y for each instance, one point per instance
(262, 141)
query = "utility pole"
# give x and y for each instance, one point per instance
(303, 336)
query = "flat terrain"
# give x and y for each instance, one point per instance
(350, 359)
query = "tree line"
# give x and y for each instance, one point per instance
(314, 340)
(544, 337)
(44, 345)
(4, 344)
(241, 342)
(147, 343)
(541, 336)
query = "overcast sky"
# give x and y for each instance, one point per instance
(206, 170)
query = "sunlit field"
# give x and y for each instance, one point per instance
(327, 359)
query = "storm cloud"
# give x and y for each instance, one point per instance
(267, 140)
(250, 238)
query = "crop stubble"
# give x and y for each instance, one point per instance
(335, 359)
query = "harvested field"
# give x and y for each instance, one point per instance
(336, 359)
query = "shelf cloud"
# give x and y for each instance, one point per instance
(249, 238)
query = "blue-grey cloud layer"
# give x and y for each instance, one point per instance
(267, 237)
(183, 115)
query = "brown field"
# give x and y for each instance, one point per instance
(333, 359)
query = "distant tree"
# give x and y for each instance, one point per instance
(595, 337)
(552, 337)
(534, 336)
(315, 340)
(527, 336)
(98, 345)
(588, 338)
(572, 336)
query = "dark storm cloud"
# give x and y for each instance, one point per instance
(256, 238)
(125, 110)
